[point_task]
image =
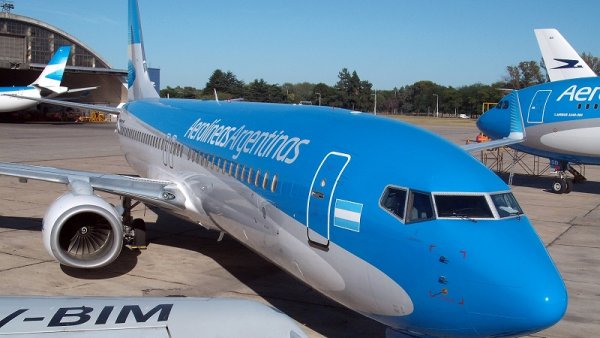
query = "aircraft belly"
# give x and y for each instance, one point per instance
(337, 273)
(9, 104)
(583, 141)
(572, 138)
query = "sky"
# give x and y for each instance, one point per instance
(390, 43)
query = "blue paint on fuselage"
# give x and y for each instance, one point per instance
(570, 104)
(500, 277)
(16, 89)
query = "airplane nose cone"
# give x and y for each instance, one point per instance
(523, 311)
(495, 123)
(529, 297)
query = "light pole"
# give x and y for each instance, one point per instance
(437, 106)
(319, 94)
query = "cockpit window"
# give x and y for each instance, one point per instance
(420, 208)
(506, 204)
(505, 105)
(463, 206)
(394, 200)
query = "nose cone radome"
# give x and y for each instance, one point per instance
(522, 312)
(521, 294)
(495, 123)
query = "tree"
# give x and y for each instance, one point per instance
(181, 92)
(225, 84)
(592, 61)
(525, 74)
(261, 91)
(352, 92)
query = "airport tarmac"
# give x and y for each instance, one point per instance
(183, 259)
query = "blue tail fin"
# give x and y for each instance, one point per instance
(52, 75)
(138, 81)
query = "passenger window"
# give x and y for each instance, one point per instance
(249, 175)
(265, 181)
(243, 173)
(420, 208)
(274, 183)
(257, 178)
(394, 200)
(237, 170)
(461, 206)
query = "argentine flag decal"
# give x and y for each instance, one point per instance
(347, 215)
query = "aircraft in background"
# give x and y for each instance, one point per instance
(149, 317)
(561, 60)
(561, 118)
(46, 85)
(361, 208)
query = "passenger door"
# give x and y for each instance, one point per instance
(538, 106)
(320, 198)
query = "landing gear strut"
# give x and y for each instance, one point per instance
(134, 229)
(562, 184)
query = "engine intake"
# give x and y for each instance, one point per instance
(82, 231)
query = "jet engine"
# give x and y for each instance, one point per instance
(82, 231)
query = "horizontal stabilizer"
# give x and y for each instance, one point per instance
(77, 90)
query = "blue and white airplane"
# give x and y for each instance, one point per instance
(47, 85)
(369, 211)
(561, 118)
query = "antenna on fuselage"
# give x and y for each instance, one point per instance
(216, 95)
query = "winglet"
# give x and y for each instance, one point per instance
(52, 74)
(561, 60)
(138, 80)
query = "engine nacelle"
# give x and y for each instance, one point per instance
(82, 231)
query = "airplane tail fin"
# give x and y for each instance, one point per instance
(138, 80)
(52, 75)
(561, 60)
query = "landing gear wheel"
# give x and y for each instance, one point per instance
(139, 232)
(559, 186)
(569, 186)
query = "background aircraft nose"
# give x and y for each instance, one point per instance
(495, 123)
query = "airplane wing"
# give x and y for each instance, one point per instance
(491, 144)
(150, 317)
(163, 194)
(105, 109)
(561, 60)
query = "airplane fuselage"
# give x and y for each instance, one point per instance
(8, 104)
(308, 188)
(561, 119)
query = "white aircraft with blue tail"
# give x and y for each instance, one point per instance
(561, 118)
(47, 85)
(369, 211)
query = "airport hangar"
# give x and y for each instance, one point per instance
(26, 46)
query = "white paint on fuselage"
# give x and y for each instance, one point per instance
(8, 104)
(574, 141)
(220, 201)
